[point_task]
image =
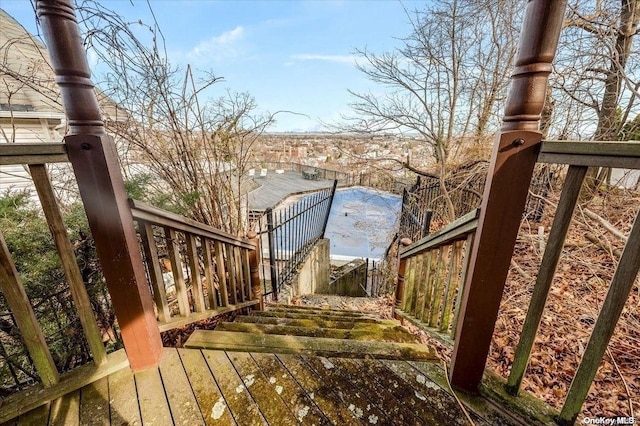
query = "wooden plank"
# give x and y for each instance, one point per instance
(94, 403)
(37, 416)
(357, 399)
(453, 283)
(420, 286)
(244, 409)
(176, 268)
(409, 283)
(123, 399)
(212, 404)
(273, 408)
(379, 395)
(239, 271)
(550, 258)
(65, 411)
(621, 285)
(438, 286)
(237, 341)
(592, 148)
(16, 298)
(247, 273)
(463, 278)
(326, 317)
(68, 260)
(294, 396)
(442, 409)
(323, 396)
(212, 295)
(35, 396)
(182, 401)
(455, 231)
(590, 160)
(308, 322)
(398, 334)
(196, 281)
(231, 271)
(32, 153)
(155, 272)
(428, 284)
(222, 273)
(177, 322)
(154, 407)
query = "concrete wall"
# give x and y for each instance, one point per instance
(313, 274)
(349, 280)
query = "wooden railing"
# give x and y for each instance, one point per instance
(433, 268)
(208, 271)
(428, 277)
(52, 381)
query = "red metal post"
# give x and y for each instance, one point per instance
(95, 163)
(509, 177)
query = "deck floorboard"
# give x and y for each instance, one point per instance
(210, 387)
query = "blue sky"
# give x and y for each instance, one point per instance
(290, 55)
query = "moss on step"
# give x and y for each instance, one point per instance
(320, 311)
(246, 342)
(314, 322)
(326, 317)
(372, 333)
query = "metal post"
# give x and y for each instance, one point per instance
(426, 224)
(94, 159)
(514, 156)
(326, 219)
(272, 253)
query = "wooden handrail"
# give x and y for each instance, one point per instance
(32, 153)
(591, 153)
(160, 217)
(455, 231)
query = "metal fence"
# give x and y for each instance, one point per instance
(291, 232)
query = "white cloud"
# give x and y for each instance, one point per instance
(219, 47)
(343, 59)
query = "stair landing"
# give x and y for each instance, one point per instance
(273, 384)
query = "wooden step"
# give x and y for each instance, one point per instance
(315, 310)
(320, 346)
(397, 334)
(326, 317)
(314, 322)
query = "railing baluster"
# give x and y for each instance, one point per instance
(16, 298)
(231, 270)
(176, 269)
(247, 272)
(410, 284)
(426, 309)
(150, 250)
(559, 228)
(420, 286)
(617, 295)
(208, 274)
(400, 280)
(222, 273)
(237, 263)
(436, 299)
(463, 276)
(68, 261)
(196, 281)
(452, 285)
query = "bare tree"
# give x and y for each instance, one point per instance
(446, 82)
(600, 89)
(197, 151)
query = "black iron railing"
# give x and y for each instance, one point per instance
(290, 233)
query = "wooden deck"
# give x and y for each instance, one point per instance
(194, 387)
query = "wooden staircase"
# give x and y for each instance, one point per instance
(313, 331)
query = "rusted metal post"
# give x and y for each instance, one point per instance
(509, 177)
(95, 163)
(254, 265)
(402, 266)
